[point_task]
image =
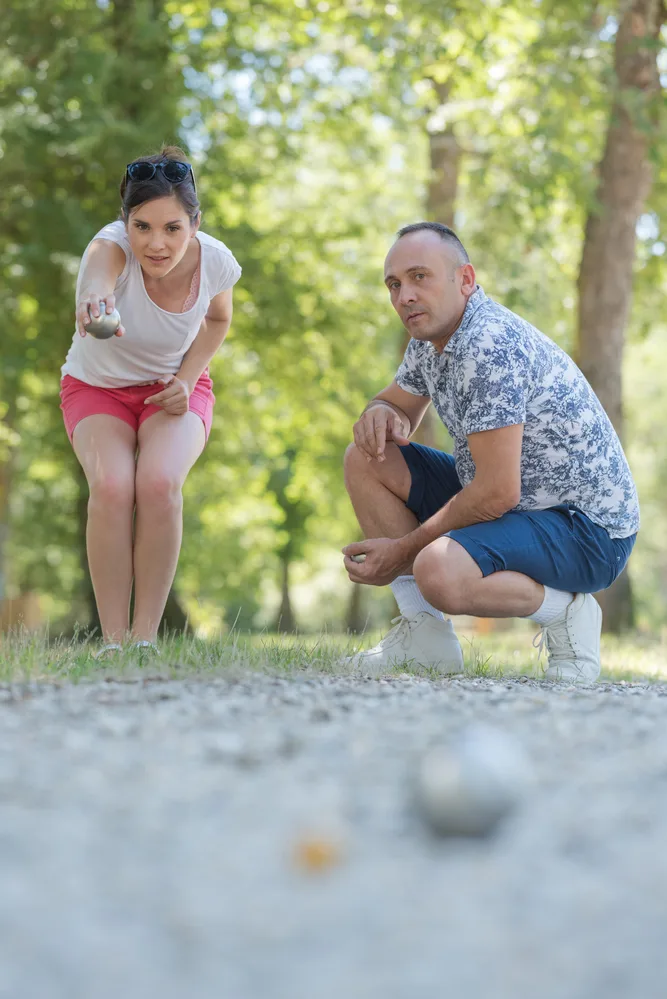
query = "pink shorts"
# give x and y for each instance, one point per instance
(78, 400)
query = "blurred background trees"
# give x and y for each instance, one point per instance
(317, 129)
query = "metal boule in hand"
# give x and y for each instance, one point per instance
(358, 558)
(104, 326)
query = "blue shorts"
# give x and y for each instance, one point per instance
(559, 547)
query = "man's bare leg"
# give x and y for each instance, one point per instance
(379, 492)
(451, 580)
(446, 574)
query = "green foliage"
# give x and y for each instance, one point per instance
(85, 88)
(308, 124)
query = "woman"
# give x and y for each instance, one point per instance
(138, 406)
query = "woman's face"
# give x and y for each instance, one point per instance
(160, 233)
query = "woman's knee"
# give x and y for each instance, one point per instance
(159, 489)
(112, 492)
(444, 573)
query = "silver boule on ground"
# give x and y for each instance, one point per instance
(468, 787)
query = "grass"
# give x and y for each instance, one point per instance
(632, 657)
(27, 657)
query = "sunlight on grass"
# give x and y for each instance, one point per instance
(28, 657)
(511, 652)
(504, 653)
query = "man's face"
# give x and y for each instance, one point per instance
(429, 288)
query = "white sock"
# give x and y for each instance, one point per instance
(410, 600)
(553, 606)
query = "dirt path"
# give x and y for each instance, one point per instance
(256, 838)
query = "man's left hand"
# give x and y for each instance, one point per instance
(386, 558)
(174, 398)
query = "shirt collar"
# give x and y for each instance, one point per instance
(472, 305)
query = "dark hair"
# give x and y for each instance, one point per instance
(446, 234)
(137, 192)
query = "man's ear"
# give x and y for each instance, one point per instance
(468, 279)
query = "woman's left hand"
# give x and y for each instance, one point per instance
(174, 398)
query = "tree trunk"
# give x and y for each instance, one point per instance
(174, 618)
(445, 155)
(355, 621)
(285, 621)
(605, 276)
(5, 487)
(6, 475)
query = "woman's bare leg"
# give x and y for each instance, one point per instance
(168, 448)
(105, 447)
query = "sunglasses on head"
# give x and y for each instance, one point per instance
(174, 170)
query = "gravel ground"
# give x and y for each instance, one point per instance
(255, 838)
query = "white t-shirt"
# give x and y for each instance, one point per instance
(155, 341)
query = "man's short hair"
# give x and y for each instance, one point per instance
(446, 234)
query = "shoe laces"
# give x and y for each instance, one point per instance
(540, 642)
(556, 640)
(402, 628)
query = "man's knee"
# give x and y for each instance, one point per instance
(392, 472)
(444, 573)
(352, 456)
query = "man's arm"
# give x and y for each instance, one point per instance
(393, 414)
(495, 489)
(410, 407)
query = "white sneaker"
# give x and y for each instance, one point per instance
(423, 640)
(573, 642)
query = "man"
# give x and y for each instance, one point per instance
(535, 510)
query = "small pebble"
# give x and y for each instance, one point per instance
(316, 854)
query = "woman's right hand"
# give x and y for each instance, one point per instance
(93, 305)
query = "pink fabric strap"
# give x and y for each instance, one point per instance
(194, 290)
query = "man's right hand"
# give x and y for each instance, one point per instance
(375, 427)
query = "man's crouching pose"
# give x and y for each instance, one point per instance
(536, 508)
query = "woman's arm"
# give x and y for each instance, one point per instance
(209, 339)
(105, 262)
(175, 396)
